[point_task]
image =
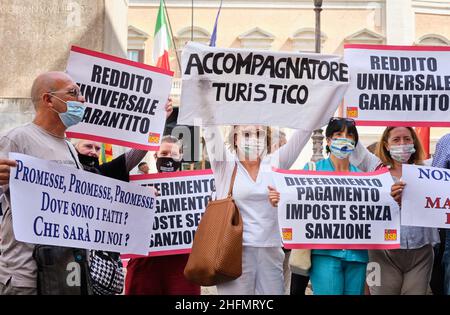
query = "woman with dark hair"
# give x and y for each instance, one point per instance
(406, 270)
(336, 272)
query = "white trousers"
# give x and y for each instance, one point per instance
(262, 273)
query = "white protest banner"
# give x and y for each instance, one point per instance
(182, 200)
(329, 210)
(125, 100)
(426, 196)
(58, 205)
(225, 86)
(398, 85)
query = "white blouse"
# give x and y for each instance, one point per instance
(260, 219)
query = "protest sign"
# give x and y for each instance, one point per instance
(426, 196)
(58, 205)
(125, 100)
(398, 85)
(330, 210)
(181, 201)
(247, 87)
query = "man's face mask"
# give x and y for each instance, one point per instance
(88, 160)
(167, 164)
(74, 113)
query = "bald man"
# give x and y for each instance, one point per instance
(59, 105)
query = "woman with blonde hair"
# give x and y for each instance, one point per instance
(249, 154)
(406, 270)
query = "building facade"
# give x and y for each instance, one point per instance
(36, 36)
(288, 25)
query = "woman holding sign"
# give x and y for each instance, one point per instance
(336, 272)
(406, 270)
(250, 146)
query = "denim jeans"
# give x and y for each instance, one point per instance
(446, 264)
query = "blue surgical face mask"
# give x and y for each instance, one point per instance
(74, 113)
(342, 147)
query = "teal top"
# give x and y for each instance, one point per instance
(359, 255)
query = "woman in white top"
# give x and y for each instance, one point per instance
(262, 257)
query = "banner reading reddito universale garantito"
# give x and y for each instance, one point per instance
(398, 85)
(125, 100)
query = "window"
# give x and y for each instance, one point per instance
(136, 44)
(304, 40)
(365, 36)
(136, 55)
(256, 38)
(433, 40)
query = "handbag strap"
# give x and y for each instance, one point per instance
(73, 156)
(233, 177)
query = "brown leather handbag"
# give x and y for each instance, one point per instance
(216, 254)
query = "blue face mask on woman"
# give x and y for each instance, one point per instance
(74, 113)
(342, 147)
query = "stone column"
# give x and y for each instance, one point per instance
(317, 136)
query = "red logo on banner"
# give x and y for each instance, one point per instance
(448, 218)
(390, 235)
(352, 112)
(287, 234)
(153, 137)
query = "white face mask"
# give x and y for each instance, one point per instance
(401, 153)
(252, 147)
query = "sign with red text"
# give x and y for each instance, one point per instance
(426, 196)
(180, 204)
(125, 100)
(330, 210)
(398, 85)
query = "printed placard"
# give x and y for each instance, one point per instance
(180, 204)
(125, 100)
(426, 196)
(58, 205)
(247, 87)
(330, 210)
(398, 85)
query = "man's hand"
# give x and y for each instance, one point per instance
(396, 192)
(5, 168)
(169, 107)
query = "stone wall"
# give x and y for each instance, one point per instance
(36, 36)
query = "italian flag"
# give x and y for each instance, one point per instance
(162, 40)
(106, 154)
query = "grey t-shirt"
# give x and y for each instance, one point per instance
(16, 259)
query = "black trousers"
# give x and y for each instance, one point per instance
(298, 284)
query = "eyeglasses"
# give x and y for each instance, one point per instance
(348, 121)
(74, 92)
(260, 134)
